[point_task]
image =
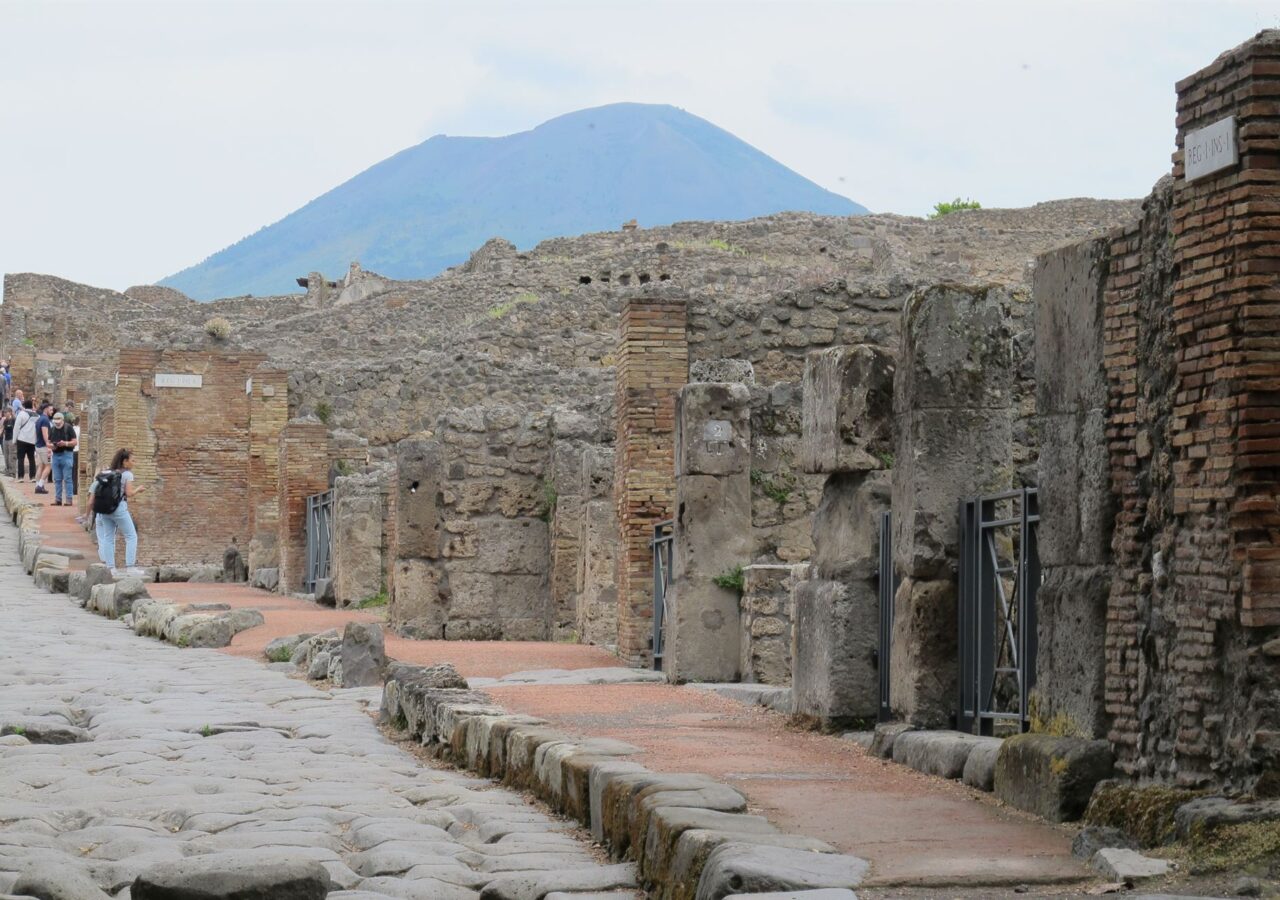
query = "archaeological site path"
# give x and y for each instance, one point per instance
(913, 828)
(175, 753)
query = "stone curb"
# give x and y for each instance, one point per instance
(680, 829)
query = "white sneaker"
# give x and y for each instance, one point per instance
(135, 572)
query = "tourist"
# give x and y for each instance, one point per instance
(75, 454)
(19, 401)
(44, 457)
(24, 430)
(111, 512)
(6, 415)
(62, 444)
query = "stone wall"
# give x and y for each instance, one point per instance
(597, 590)
(303, 471)
(1187, 334)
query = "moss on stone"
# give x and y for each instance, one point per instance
(1144, 813)
(1250, 846)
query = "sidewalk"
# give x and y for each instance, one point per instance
(914, 829)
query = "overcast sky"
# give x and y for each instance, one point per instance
(138, 138)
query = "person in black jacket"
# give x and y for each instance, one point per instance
(62, 445)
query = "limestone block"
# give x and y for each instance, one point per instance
(886, 735)
(419, 503)
(941, 753)
(980, 767)
(738, 371)
(696, 844)
(363, 655)
(1119, 864)
(266, 578)
(1075, 489)
(923, 667)
(508, 547)
(601, 774)
(420, 598)
(1067, 285)
(712, 538)
(848, 420)
(249, 873)
(1052, 777)
(357, 547)
(846, 526)
(667, 823)
(1072, 610)
(735, 868)
(834, 675)
(767, 611)
(713, 435)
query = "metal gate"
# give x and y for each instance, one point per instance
(663, 543)
(888, 587)
(319, 538)
(999, 578)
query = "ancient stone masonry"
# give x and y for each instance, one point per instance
(712, 531)
(957, 397)
(849, 433)
(597, 591)
(471, 540)
(303, 472)
(1190, 313)
(360, 548)
(652, 365)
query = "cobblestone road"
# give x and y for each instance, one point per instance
(192, 752)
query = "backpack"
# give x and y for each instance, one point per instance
(108, 491)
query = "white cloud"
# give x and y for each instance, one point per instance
(136, 138)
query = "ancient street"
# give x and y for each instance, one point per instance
(178, 753)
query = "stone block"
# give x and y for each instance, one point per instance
(1068, 287)
(1207, 813)
(267, 579)
(235, 875)
(848, 422)
(941, 753)
(364, 657)
(420, 598)
(712, 538)
(923, 667)
(695, 845)
(506, 546)
(1119, 864)
(739, 371)
(819, 894)
(357, 544)
(667, 823)
(714, 432)
(834, 673)
(980, 767)
(736, 868)
(846, 526)
(1052, 777)
(419, 502)
(1072, 613)
(886, 735)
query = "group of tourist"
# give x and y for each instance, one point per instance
(41, 442)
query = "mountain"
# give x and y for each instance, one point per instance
(427, 207)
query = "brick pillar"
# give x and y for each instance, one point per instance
(268, 392)
(303, 471)
(653, 363)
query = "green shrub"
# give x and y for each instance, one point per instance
(280, 654)
(344, 467)
(550, 497)
(941, 209)
(218, 328)
(324, 412)
(776, 487)
(731, 579)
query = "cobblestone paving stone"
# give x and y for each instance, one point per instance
(189, 752)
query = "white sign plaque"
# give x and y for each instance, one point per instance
(178, 380)
(1210, 149)
(717, 431)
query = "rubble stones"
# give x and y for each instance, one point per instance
(1206, 813)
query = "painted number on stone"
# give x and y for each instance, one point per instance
(717, 434)
(176, 380)
(1210, 149)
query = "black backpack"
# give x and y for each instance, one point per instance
(108, 491)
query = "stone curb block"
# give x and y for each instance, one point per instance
(1052, 777)
(672, 825)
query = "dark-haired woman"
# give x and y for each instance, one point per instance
(108, 523)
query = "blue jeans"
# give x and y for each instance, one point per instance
(107, 526)
(63, 466)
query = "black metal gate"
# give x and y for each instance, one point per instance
(888, 587)
(319, 538)
(999, 578)
(663, 543)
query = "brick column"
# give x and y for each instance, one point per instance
(653, 363)
(303, 471)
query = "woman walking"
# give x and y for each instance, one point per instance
(112, 490)
(24, 430)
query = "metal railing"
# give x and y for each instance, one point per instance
(888, 588)
(999, 580)
(663, 545)
(319, 538)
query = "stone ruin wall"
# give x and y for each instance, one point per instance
(1167, 424)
